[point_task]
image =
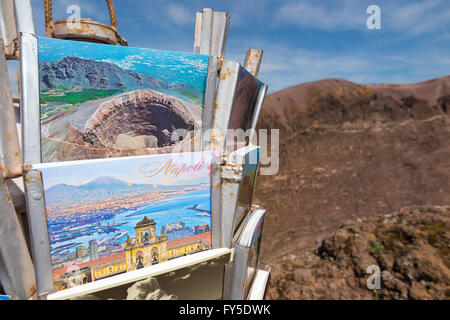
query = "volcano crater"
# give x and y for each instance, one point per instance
(140, 119)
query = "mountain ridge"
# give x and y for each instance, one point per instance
(97, 189)
(291, 108)
(75, 72)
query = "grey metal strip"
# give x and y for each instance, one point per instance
(216, 210)
(206, 31)
(259, 103)
(221, 23)
(226, 91)
(31, 145)
(16, 268)
(231, 179)
(198, 31)
(10, 153)
(29, 90)
(40, 243)
(211, 83)
(29, 84)
(24, 16)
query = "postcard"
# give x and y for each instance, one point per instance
(100, 101)
(247, 187)
(110, 216)
(244, 104)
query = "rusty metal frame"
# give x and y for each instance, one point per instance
(8, 31)
(31, 144)
(232, 175)
(16, 267)
(92, 31)
(10, 154)
(253, 61)
(231, 180)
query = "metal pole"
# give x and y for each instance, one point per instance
(221, 23)
(216, 187)
(198, 31)
(31, 144)
(16, 268)
(211, 33)
(206, 31)
(29, 84)
(40, 243)
(8, 29)
(253, 61)
(10, 154)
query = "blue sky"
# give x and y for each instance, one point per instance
(303, 40)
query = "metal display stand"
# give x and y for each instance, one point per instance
(16, 268)
(21, 276)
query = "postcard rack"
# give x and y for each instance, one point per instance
(25, 276)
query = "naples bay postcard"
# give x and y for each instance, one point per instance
(110, 216)
(100, 101)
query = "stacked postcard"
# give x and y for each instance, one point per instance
(100, 101)
(242, 224)
(110, 216)
(134, 208)
(241, 274)
(239, 99)
(127, 201)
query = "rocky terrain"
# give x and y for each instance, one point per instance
(411, 247)
(349, 152)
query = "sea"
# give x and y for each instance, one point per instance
(165, 211)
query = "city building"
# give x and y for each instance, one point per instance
(93, 250)
(147, 249)
(80, 252)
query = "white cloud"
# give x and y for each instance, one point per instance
(330, 15)
(180, 15)
(420, 17)
(284, 66)
(411, 19)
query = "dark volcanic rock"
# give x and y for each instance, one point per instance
(411, 248)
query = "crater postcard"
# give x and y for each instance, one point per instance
(110, 216)
(100, 101)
